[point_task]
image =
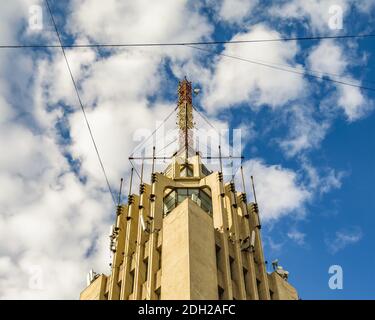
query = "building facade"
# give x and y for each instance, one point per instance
(188, 235)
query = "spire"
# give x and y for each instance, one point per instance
(185, 117)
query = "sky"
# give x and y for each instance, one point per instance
(308, 142)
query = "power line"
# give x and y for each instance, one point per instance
(81, 104)
(304, 69)
(152, 134)
(166, 44)
(303, 73)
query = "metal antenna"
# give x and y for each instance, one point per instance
(253, 185)
(221, 163)
(142, 171)
(186, 135)
(153, 159)
(131, 182)
(243, 180)
(119, 194)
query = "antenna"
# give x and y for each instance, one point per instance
(142, 171)
(153, 159)
(243, 180)
(254, 194)
(186, 135)
(221, 163)
(119, 194)
(131, 182)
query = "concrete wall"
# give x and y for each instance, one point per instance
(188, 254)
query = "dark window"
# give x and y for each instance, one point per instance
(175, 197)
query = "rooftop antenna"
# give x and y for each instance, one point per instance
(186, 135)
(131, 182)
(185, 115)
(119, 194)
(142, 170)
(243, 180)
(253, 185)
(153, 159)
(221, 163)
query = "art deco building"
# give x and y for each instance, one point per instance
(188, 234)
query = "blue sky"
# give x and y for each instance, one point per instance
(308, 142)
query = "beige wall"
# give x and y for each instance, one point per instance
(188, 254)
(281, 289)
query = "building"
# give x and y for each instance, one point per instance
(188, 235)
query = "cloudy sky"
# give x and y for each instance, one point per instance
(308, 142)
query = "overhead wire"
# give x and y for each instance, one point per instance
(163, 44)
(303, 73)
(81, 104)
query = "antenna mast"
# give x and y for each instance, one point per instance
(185, 116)
(255, 195)
(119, 194)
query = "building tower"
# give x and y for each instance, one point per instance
(188, 234)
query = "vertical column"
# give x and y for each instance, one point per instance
(250, 279)
(220, 220)
(118, 257)
(235, 239)
(142, 237)
(264, 291)
(130, 243)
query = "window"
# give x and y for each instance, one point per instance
(176, 196)
(206, 203)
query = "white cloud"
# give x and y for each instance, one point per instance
(317, 15)
(234, 82)
(316, 12)
(297, 236)
(278, 190)
(343, 238)
(329, 57)
(324, 180)
(138, 21)
(235, 11)
(305, 132)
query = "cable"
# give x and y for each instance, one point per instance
(304, 73)
(164, 121)
(81, 104)
(136, 171)
(161, 44)
(165, 147)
